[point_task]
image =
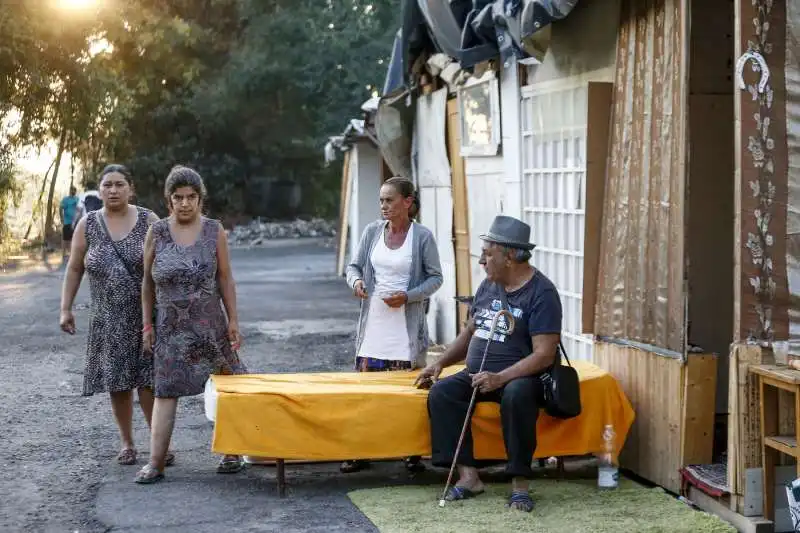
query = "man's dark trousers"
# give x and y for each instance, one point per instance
(520, 401)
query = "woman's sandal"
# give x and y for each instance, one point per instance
(127, 457)
(148, 475)
(230, 465)
(521, 501)
(457, 493)
(414, 465)
(349, 467)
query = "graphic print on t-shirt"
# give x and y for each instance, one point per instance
(484, 317)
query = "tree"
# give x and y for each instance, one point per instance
(243, 90)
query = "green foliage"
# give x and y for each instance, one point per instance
(246, 91)
(10, 191)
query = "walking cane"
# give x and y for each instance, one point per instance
(467, 419)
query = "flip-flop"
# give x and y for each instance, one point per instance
(127, 457)
(148, 475)
(461, 493)
(230, 466)
(520, 501)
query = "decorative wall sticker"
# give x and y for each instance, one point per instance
(761, 146)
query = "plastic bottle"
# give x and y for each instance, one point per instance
(607, 471)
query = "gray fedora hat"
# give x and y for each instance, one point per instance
(509, 231)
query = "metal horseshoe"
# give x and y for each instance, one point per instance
(758, 58)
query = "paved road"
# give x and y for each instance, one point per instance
(57, 448)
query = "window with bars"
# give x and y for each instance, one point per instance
(554, 132)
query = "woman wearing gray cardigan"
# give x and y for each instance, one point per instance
(395, 270)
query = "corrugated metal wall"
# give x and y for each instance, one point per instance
(640, 293)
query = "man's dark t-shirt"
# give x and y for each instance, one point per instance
(536, 307)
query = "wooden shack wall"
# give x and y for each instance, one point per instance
(674, 409)
(641, 287)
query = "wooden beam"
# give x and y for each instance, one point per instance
(741, 523)
(460, 209)
(344, 214)
(597, 142)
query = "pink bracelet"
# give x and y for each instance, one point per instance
(147, 327)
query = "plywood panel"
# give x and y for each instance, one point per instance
(700, 388)
(460, 209)
(654, 386)
(744, 425)
(597, 135)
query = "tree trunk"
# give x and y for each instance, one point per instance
(38, 204)
(48, 225)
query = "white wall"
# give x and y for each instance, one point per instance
(494, 183)
(366, 185)
(436, 199)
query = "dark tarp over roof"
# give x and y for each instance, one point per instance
(469, 31)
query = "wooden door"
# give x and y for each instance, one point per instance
(460, 209)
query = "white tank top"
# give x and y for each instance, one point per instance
(386, 332)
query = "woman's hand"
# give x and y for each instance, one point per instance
(359, 289)
(67, 322)
(148, 338)
(397, 299)
(234, 336)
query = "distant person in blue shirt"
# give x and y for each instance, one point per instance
(515, 361)
(69, 206)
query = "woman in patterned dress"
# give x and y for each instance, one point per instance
(395, 269)
(108, 246)
(187, 277)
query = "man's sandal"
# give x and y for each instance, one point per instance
(457, 493)
(148, 475)
(230, 465)
(127, 457)
(520, 501)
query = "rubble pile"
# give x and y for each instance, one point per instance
(258, 232)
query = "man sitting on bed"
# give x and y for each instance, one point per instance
(514, 362)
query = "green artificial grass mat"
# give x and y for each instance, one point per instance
(569, 506)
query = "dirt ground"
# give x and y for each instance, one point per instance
(57, 448)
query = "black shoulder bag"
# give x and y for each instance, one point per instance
(562, 388)
(114, 245)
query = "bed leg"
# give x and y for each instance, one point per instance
(281, 475)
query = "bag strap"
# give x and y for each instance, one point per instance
(561, 350)
(114, 244)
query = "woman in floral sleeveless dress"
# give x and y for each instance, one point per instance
(188, 280)
(107, 245)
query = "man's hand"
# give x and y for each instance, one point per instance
(429, 374)
(360, 290)
(397, 299)
(487, 381)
